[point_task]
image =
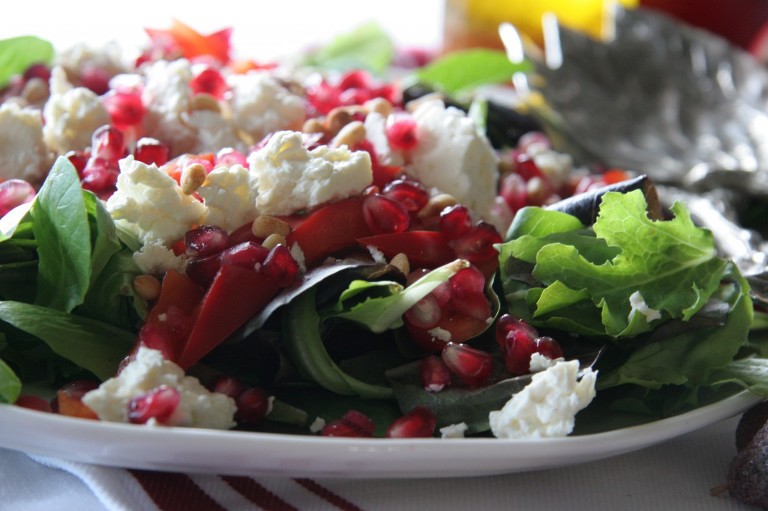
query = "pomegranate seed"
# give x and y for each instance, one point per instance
(356, 79)
(526, 167)
(229, 157)
(78, 159)
(384, 215)
(280, 266)
(149, 150)
(323, 97)
(14, 192)
(410, 194)
(209, 81)
(425, 313)
(472, 366)
(95, 79)
(68, 400)
(125, 108)
(549, 347)
(206, 240)
(467, 280)
(246, 255)
(533, 140)
(352, 424)
(418, 423)
(108, 143)
(253, 405)
(514, 191)
(227, 385)
(434, 374)
(477, 245)
(508, 323)
(34, 403)
(402, 133)
(202, 270)
(100, 176)
(41, 71)
(518, 348)
(455, 221)
(159, 403)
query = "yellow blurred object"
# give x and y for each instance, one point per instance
(472, 23)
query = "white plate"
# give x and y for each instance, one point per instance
(243, 453)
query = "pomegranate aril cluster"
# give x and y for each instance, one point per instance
(519, 341)
(253, 403)
(352, 88)
(419, 422)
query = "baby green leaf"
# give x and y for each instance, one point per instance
(18, 53)
(460, 71)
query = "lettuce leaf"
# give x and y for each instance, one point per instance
(623, 277)
(365, 47)
(18, 53)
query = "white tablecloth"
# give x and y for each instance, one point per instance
(676, 475)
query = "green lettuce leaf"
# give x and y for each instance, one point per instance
(10, 385)
(18, 53)
(582, 281)
(366, 47)
(461, 71)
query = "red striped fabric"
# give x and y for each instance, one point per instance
(179, 492)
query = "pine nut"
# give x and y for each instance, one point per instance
(192, 177)
(35, 91)
(204, 101)
(337, 119)
(350, 135)
(313, 126)
(265, 225)
(273, 240)
(146, 286)
(379, 105)
(436, 204)
(400, 261)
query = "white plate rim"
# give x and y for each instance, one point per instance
(246, 453)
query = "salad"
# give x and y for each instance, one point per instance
(345, 245)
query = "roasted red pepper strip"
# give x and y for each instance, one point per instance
(235, 295)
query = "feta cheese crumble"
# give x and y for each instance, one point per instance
(154, 258)
(198, 407)
(637, 302)
(230, 195)
(150, 204)
(23, 153)
(291, 178)
(454, 430)
(453, 157)
(547, 406)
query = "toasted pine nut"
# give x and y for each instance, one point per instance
(337, 119)
(265, 225)
(35, 90)
(436, 204)
(313, 126)
(400, 261)
(350, 135)
(204, 101)
(146, 286)
(273, 240)
(379, 105)
(192, 177)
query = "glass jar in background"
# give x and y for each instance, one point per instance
(473, 23)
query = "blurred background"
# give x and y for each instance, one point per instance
(268, 29)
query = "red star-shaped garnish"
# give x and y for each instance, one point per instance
(183, 41)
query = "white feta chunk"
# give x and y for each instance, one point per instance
(23, 153)
(547, 406)
(291, 178)
(71, 115)
(454, 430)
(260, 105)
(230, 194)
(198, 407)
(167, 95)
(154, 258)
(454, 157)
(150, 204)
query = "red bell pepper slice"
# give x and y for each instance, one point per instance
(330, 229)
(235, 295)
(425, 249)
(170, 318)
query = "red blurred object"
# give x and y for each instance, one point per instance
(740, 21)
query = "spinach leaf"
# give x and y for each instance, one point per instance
(18, 53)
(92, 345)
(61, 228)
(366, 47)
(461, 71)
(10, 385)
